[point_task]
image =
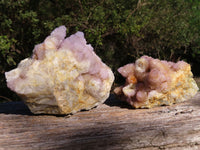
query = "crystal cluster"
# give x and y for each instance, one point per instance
(152, 82)
(63, 76)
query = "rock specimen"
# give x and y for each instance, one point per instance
(151, 82)
(63, 76)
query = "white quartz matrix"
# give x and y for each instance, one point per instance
(152, 82)
(63, 76)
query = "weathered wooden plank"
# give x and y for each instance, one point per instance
(113, 125)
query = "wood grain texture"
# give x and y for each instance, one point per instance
(113, 125)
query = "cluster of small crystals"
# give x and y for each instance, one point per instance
(152, 82)
(63, 76)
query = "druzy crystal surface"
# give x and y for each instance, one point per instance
(152, 82)
(63, 76)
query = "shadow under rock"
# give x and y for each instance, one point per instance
(21, 109)
(196, 99)
(14, 108)
(114, 101)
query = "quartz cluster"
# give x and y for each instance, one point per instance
(153, 82)
(63, 76)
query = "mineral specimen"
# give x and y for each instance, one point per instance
(63, 76)
(151, 82)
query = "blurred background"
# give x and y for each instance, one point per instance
(120, 31)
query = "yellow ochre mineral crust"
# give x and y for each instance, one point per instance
(152, 82)
(63, 76)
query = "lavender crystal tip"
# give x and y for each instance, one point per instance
(63, 76)
(153, 82)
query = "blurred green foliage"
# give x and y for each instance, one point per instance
(120, 31)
